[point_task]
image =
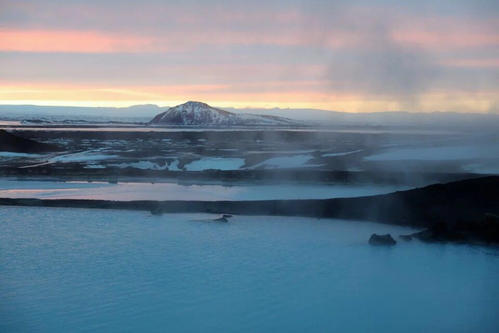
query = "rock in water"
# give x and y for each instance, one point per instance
(223, 218)
(382, 240)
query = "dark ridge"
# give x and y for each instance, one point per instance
(460, 206)
(75, 171)
(13, 143)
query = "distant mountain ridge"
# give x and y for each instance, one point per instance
(201, 114)
(443, 120)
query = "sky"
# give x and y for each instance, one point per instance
(354, 56)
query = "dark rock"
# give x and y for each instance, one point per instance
(491, 218)
(406, 237)
(223, 218)
(426, 235)
(382, 240)
(441, 232)
(490, 228)
(14, 143)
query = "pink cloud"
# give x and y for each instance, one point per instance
(445, 39)
(70, 41)
(474, 63)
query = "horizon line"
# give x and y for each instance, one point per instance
(78, 104)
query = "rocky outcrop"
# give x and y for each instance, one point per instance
(386, 240)
(485, 230)
(13, 143)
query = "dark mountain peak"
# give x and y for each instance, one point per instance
(194, 104)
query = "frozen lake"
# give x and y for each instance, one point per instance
(75, 270)
(174, 191)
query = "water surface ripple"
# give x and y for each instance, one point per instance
(79, 270)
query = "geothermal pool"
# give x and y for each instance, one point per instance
(75, 270)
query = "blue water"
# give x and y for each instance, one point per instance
(69, 270)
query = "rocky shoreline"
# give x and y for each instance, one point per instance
(461, 211)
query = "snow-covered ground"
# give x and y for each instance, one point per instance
(144, 165)
(148, 165)
(174, 191)
(85, 156)
(481, 158)
(284, 162)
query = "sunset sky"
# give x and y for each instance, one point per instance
(354, 56)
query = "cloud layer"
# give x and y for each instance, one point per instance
(361, 56)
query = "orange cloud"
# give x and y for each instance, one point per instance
(295, 95)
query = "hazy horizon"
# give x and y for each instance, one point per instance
(143, 114)
(145, 105)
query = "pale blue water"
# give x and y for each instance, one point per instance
(172, 191)
(69, 270)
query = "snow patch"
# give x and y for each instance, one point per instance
(174, 166)
(285, 162)
(85, 156)
(144, 165)
(342, 153)
(217, 163)
(12, 154)
(94, 166)
(148, 165)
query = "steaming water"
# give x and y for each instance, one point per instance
(173, 191)
(69, 270)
